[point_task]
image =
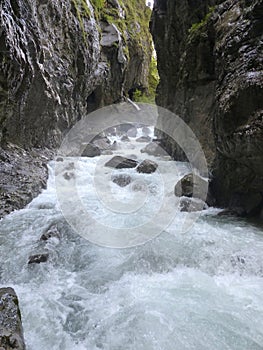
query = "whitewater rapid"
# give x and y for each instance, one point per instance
(200, 289)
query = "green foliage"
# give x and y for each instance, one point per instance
(82, 11)
(98, 4)
(196, 27)
(153, 81)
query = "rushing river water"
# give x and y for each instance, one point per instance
(201, 289)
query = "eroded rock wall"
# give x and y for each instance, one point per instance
(11, 330)
(58, 61)
(210, 60)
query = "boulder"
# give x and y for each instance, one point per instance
(122, 180)
(119, 162)
(91, 151)
(125, 138)
(146, 130)
(132, 132)
(191, 204)
(185, 186)
(154, 149)
(125, 127)
(38, 258)
(143, 139)
(111, 131)
(11, 330)
(103, 143)
(52, 232)
(107, 152)
(147, 167)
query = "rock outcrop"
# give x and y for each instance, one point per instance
(11, 331)
(62, 59)
(213, 79)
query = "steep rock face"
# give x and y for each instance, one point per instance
(53, 57)
(58, 61)
(212, 78)
(11, 331)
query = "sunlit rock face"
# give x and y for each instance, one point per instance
(212, 78)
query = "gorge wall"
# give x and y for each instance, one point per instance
(210, 61)
(58, 61)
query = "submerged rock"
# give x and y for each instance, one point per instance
(52, 232)
(143, 139)
(11, 330)
(122, 180)
(114, 146)
(147, 167)
(68, 175)
(146, 130)
(120, 162)
(132, 132)
(38, 258)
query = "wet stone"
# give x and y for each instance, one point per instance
(147, 167)
(122, 180)
(38, 258)
(11, 330)
(119, 162)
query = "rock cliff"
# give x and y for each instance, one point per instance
(58, 61)
(11, 330)
(210, 60)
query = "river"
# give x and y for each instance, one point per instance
(199, 289)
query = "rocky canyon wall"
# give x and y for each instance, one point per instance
(58, 61)
(210, 61)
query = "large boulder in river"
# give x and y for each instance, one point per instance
(91, 151)
(125, 127)
(11, 330)
(38, 258)
(132, 132)
(191, 204)
(103, 143)
(119, 162)
(154, 149)
(191, 186)
(147, 167)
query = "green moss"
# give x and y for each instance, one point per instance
(196, 27)
(153, 81)
(98, 4)
(82, 11)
